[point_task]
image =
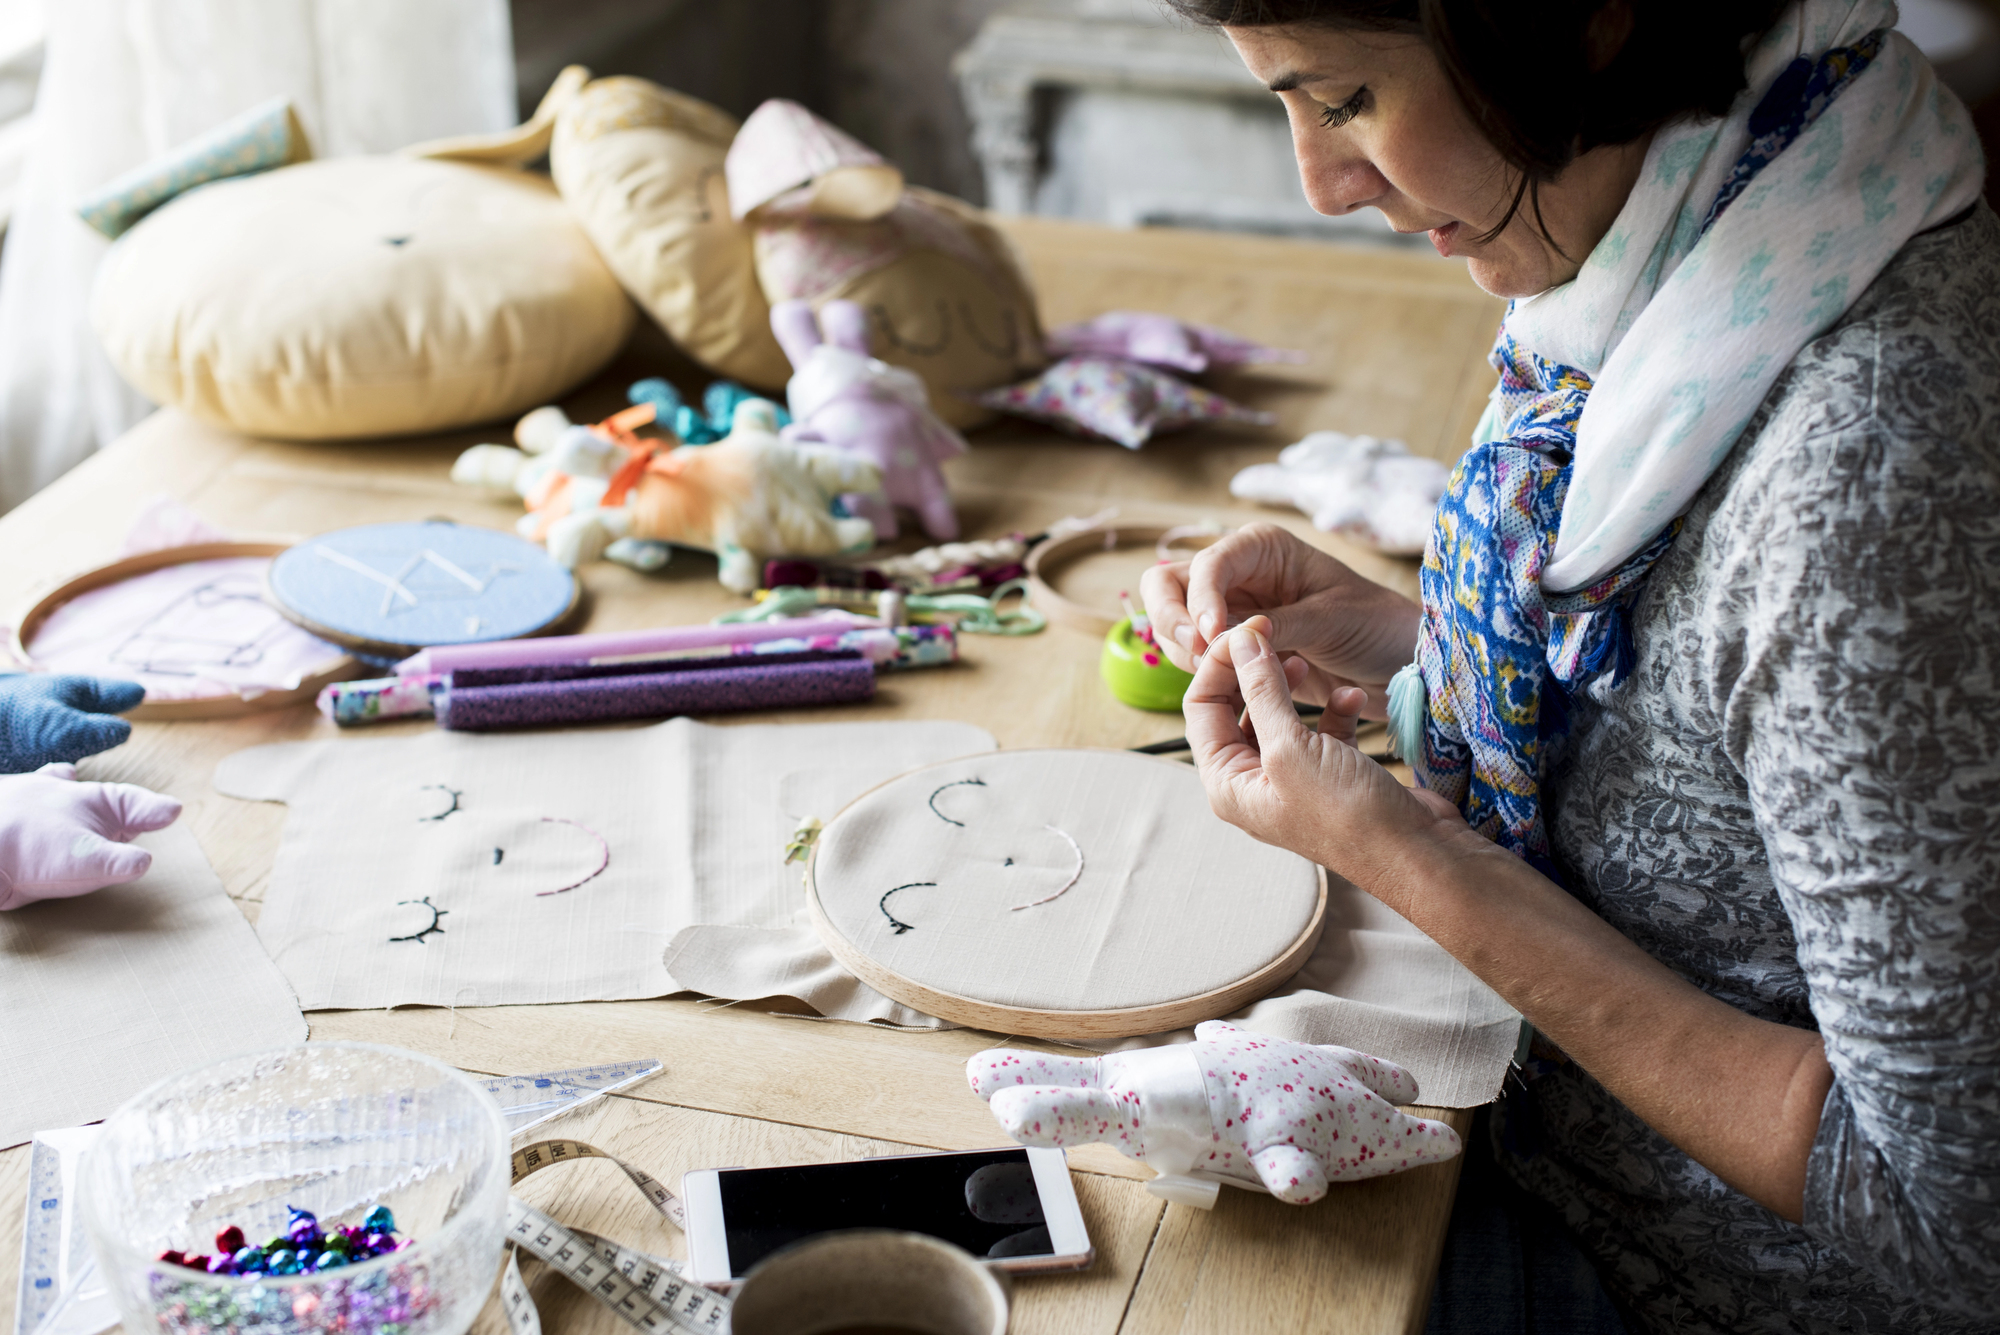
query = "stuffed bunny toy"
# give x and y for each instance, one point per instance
(751, 496)
(841, 396)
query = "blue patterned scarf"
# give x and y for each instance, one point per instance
(1500, 654)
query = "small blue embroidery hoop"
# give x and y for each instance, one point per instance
(387, 590)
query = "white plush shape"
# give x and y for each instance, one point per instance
(1365, 488)
(639, 554)
(359, 297)
(581, 452)
(1291, 1117)
(789, 512)
(538, 430)
(580, 538)
(60, 838)
(493, 466)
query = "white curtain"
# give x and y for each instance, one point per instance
(123, 81)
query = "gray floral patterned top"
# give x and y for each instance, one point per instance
(1794, 802)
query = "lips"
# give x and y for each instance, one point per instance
(1442, 237)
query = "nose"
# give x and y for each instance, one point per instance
(1338, 177)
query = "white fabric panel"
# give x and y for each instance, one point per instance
(106, 993)
(489, 827)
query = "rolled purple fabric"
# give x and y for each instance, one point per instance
(657, 695)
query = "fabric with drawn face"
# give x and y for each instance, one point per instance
(511, 869)
(1059, 880)
(1293, 1117)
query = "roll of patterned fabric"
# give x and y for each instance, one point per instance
(828, 681)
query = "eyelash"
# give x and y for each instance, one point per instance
(1335, 117)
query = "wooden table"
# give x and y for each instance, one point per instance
(1396, 346)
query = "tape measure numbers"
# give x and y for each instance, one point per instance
(649, 1292)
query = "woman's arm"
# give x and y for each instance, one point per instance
(1740, 1096)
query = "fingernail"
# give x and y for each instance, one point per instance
(1184, 636)
(1211, 625)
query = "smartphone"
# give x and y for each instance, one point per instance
(1014, 1207)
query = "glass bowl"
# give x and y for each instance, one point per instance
(331, 1128)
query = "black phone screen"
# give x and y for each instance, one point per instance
(985, 1202)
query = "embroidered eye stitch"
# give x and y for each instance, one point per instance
(894, 921)
(436, 913)
(453, 793)
(955, 783)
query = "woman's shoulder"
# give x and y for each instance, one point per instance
(1915, 362)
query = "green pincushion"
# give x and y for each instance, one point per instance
(1138, 673)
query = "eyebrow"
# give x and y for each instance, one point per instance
(1285, 83)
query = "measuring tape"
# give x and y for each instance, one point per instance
(649, 1292)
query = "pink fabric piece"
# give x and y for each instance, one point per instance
(783, 146)
(841, 396)
(187, 632)
(164, 523)
(1161, 340)
(1293, 1116)
(806, 258)
(60, 838)
(1117, 399)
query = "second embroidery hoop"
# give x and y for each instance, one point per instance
(1168, 916)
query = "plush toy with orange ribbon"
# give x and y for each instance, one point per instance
(607, 491)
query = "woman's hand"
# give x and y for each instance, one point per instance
(1308, 791)
(1349, 631)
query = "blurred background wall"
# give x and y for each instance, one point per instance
(1091, 98)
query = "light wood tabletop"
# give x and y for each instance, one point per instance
(1396, 346)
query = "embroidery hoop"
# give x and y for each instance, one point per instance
(1035, 1022)
(1046, 560)
(311, 619)
(167, 711)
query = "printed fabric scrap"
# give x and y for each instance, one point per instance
(1499, 653)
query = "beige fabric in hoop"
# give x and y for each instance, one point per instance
(1062, 882)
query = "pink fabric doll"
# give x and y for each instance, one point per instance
(1231, 1107)
(59, 837)
(841, 396)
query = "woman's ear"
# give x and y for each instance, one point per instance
(797, 330)
(1606, 34)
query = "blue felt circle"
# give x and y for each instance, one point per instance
(422, 584)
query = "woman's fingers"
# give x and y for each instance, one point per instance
(1253, 557)
(1343, 707)
(1266, 690)
(1211, 707)
(1163, 590)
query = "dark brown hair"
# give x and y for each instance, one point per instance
(1523, 68)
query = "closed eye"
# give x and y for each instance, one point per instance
(1335, 117)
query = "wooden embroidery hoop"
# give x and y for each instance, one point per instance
(1045, 561)
(339, 668)
(1060, 1025)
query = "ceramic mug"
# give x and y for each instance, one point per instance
(870, 1281)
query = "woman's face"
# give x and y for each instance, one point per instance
(1376, 124)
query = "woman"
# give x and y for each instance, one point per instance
(1704, 691)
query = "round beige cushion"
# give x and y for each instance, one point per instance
(360, 297)
(642, 167)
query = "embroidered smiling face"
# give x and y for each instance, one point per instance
(1054, 880)
(974, 852)
(465, 855)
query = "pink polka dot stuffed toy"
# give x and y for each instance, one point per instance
(1233, 1107)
